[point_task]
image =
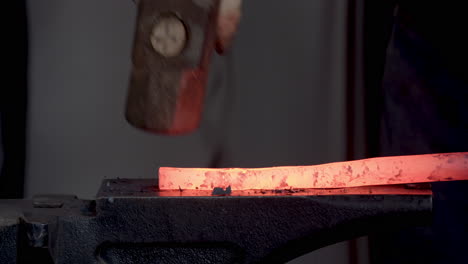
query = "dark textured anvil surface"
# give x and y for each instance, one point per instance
(130, 221)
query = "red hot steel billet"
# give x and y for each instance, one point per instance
(367, 172)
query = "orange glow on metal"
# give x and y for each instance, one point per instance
(368, 172)
(365, 190)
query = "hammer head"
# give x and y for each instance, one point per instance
(174, 41)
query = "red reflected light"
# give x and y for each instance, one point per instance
(368, 172)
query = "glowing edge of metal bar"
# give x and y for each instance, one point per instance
(367, 172)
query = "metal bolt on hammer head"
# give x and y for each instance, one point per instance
(169, 36)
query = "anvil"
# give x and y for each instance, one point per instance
(132, 221)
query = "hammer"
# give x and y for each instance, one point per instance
(173, 44)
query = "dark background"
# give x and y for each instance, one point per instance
(307, 82)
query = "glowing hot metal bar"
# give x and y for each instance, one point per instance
(368, 172)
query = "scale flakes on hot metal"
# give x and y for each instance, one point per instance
(368, 172)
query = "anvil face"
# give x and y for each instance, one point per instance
(149, 188)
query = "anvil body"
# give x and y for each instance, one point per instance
(131, 221)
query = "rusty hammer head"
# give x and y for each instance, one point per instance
(173, 44)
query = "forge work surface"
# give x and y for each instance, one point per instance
(130, 221)
(149, 188)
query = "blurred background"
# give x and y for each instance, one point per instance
(277, 98)
(290, 92)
